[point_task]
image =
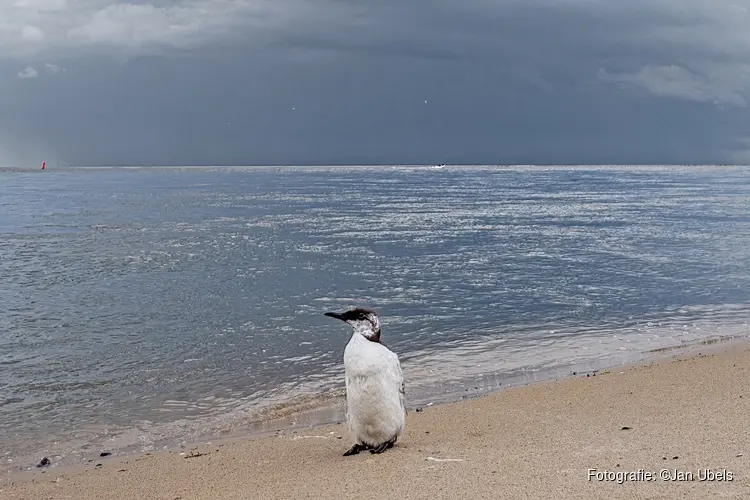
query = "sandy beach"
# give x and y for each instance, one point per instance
(649, 431)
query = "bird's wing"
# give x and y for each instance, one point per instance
(396, 375)
(399, 378)
(402, 395)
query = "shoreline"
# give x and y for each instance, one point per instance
(661, 359)
(309, 412)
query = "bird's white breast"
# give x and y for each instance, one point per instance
(374, 391)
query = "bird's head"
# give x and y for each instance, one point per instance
(364, 322)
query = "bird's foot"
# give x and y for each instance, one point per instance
(384, 446)
(356, 448)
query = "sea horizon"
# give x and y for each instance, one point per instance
(51, 167)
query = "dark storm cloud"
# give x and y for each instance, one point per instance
(214, 81)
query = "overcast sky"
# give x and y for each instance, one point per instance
(386, 81)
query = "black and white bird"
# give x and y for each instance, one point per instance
(375, 408)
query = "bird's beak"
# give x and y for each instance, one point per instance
(334, 315)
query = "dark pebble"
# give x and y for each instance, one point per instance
(45, 462)
(675, 457)
(626, 428)
(104, 454)
(575, 373)
(419, 410)
(98, 465)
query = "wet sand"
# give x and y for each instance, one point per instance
(683, 415)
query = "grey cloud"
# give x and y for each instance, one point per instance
(33, 27)
(28, 72)
(215, 81)
(54, 68)
(678, 82)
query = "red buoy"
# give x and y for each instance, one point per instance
(44, 165)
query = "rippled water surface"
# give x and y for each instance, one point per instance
(149, 306)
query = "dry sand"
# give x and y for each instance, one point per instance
(683, 415)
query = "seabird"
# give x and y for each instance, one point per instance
(375, 408)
